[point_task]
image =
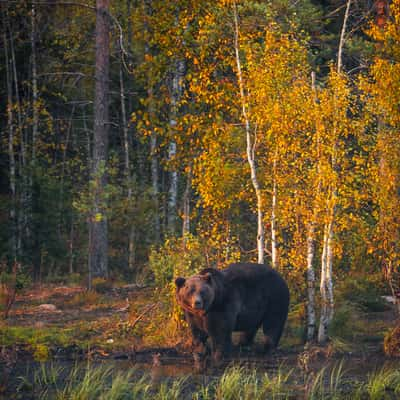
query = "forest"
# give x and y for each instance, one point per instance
(142, 140)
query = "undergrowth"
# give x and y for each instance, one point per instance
(87, 382)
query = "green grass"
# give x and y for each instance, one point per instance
(11, 335)
(384, 384)
(327, 385)
(103, 382)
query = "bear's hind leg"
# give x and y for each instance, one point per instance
(273, 325)
(246, 338)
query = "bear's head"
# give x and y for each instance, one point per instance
(195, 294)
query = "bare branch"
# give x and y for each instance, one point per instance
(60, 3)
(342, 37)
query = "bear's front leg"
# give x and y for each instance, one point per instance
(199, 348)
(221, 346)
(220, 327)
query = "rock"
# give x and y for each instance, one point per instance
(47, 307)
(389, 299)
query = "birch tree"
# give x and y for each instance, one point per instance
(250, 143)
(336, 104)
(326, 284)
(382, 98)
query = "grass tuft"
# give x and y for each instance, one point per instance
(383, 383)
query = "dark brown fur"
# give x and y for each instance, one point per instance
(242, 297)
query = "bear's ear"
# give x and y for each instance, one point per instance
(179, 282)
(207, 277)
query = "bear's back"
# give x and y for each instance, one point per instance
(256, 277)
(249, 272)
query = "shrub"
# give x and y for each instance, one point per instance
(391, 343)
(74, 279)
(101, 285)
(12, 280)
(362, 293)
(176, 257)
(86, 298)
(346, 323)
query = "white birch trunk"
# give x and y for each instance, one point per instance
(311, 318)
(155, 186)
(326, 285)
(128, 177)
(172, 190)
(186, 205)
(249, 145)
(311, 321)
(342, 37)
(329, 276)
(274, 247)
(177, 89)
(323, 320)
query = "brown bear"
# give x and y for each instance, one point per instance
(242, 297)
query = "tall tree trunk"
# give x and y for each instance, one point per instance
(11, 154)
(311, 319)
(124, 124)
(250, 151)
(381, 12)
(88, 140)
(63, 166)
(35, 96)
(17, 100)
(176, 94)
(326, 285)
(155, 186)
(99, 238)
(186, 204)
(172, 190)
(22, 219)
(127, 172)
(35, 245)
(343, 37)
(71, 246)
(274, 244)
(153, 139)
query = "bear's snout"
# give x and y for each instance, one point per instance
(197, 302)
